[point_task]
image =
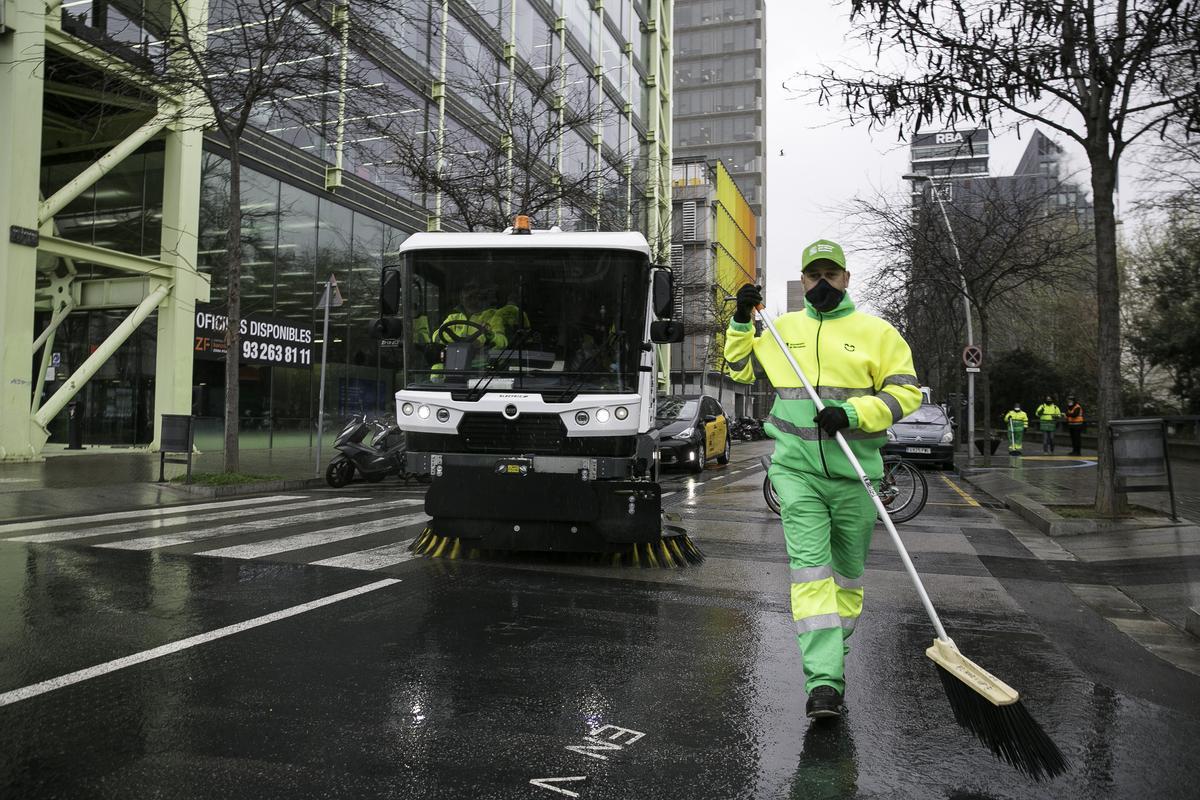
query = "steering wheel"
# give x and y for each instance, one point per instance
(446, 332)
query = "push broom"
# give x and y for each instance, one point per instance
(982, 703)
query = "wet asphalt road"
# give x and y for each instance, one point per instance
(420, 678)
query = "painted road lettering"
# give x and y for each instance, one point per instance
(606, 738)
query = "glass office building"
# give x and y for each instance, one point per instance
(720, 95)
(299, 226)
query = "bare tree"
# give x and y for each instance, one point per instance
(1102, 72)
(1012, 236)
(288, 66)
(530, 150)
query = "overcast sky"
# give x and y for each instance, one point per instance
(825, 163)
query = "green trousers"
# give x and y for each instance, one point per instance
(827, 525)
(1016, 435)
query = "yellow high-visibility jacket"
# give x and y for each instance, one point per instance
(1019, 419)
(853, 360)
(490, 318)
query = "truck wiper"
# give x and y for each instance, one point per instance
(568, 394)
(498, 363)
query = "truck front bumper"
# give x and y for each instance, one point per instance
(510, 509)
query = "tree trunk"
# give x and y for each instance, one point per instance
(1108, 298)
(982, 378)
(233, 339)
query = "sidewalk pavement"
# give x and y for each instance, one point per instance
(100, 479)
(1142, 572)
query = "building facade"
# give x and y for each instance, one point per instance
(947, 157)
(720, 93)
(136, 241)
(713, 253)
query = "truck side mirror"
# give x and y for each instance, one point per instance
(389, 293)
(666, 332)
(386, 328)
(664, 294)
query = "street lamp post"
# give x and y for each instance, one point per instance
(962, 277)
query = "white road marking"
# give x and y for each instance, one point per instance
(184, 537)
(143, 513)
(545, 783)
(668, 494)
(33, 690)
(300, 541)
(387, 555)
(146, 525)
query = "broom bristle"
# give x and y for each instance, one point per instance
(670, 552)
(1009, 731)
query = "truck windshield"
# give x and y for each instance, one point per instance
(557, 322)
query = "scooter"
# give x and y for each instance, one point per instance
(381, 456)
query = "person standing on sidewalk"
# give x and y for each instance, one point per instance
(863, 371)
(1048, 415)
(1017, 421)
(1074, 416)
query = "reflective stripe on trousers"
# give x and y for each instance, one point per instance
(822, 598)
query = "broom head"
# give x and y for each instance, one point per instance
(992, 710)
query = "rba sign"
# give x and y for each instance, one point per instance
(948, 138)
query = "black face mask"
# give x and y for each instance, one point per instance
(824, 297)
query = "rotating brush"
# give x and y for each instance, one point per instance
(670, 552)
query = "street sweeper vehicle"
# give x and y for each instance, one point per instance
(529, 387)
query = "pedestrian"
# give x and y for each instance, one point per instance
(1017, 421)
(1074, 415)
(1048, 415)
(863, 370)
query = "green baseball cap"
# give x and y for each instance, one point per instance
(823, 250)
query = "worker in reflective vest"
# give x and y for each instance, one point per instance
(1074, 416)
(1048, 415)
(1017, 421)
(863, 371)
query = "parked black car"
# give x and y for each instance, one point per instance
(924, 436)
(691, 429)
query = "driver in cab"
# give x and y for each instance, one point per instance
(472, 320)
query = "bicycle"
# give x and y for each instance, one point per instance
(903, 489)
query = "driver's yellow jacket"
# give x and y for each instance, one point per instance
(489, 318)
(853, 360)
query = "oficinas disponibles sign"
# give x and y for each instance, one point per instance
(264, 340)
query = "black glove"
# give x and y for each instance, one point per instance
(832, 419)
(749, 297)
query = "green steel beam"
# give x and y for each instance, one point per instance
(104, 257)
(102, 166)
(22, 60)
(92, 363)
(87, 53)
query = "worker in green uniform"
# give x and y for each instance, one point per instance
(863, 371)
(1017, 421)
(1048, 415)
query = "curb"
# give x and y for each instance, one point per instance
(1045, 519)
(251, 488)
(1191, 622)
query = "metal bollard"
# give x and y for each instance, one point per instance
(74, 426)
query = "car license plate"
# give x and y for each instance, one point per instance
(914, 450)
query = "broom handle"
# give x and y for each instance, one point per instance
(866, 482)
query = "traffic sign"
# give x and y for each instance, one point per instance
(972, 369)
(973, 356)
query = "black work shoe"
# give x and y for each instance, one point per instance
(824, 702)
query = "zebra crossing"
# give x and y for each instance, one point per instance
(360, 531)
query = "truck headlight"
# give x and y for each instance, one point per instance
(602, 415)
(621, 413)
(406, 409)
(582, 418)
(443, 415)
(423, 412)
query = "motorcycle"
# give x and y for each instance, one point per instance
(903, 489)
(373, 449)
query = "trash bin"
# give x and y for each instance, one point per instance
(74, 425)
(1140, 457)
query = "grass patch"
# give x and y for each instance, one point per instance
(224, 478)
(1089, 512)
